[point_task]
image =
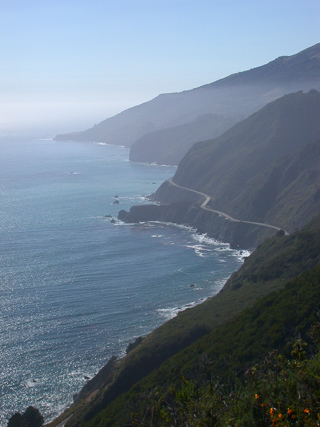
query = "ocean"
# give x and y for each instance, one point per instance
(77, 287)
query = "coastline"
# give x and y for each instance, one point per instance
(240, 235)
(89, 391)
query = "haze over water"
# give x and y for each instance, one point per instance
(75, 288)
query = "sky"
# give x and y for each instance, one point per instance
(68, 64)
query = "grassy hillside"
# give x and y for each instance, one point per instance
(196, 386)
(276, 261)
(224, 355)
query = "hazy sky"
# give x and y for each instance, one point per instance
(70, 63)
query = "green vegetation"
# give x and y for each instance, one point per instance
(265, 167)
(30, 418)
(273, 307)
(279, 391)
(194, 383)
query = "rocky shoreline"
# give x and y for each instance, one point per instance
(237, 234)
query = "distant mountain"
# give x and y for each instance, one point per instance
(168, 146)
(263, 168)
(232, 98)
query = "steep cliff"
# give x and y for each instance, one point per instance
(265, 168)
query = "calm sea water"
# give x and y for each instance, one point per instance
(76, 289)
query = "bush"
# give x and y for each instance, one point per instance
(279, 391)
(30, 418)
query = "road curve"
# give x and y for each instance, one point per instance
(62, 424)
(228, 217)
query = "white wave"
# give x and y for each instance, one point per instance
(32, 382)
(169, 313)
(109, 145)
(137, 198)
(204, 238)
(219, 284)
(157, 236)
(172, 224)
(201, 238)
(195, 287)
(224, 249)
(153, 164)
(198, 249)
(183, 272)
(75, 373)
(242, 254)
(119, 222)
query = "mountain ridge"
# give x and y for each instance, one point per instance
(225, 97)
(264, 169)
(279, 261)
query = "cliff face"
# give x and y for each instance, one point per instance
(238, 234)
(265, 168)
(234, 97)
(286, 193)
(168, 146)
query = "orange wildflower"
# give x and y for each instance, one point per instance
(306, 411)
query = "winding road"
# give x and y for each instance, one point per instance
(62, 424)
(207, 198)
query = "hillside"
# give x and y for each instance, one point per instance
(277, 261)
(234, 97)
(168, 146)
(287, 193)
(265, 168)
(196, 384)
